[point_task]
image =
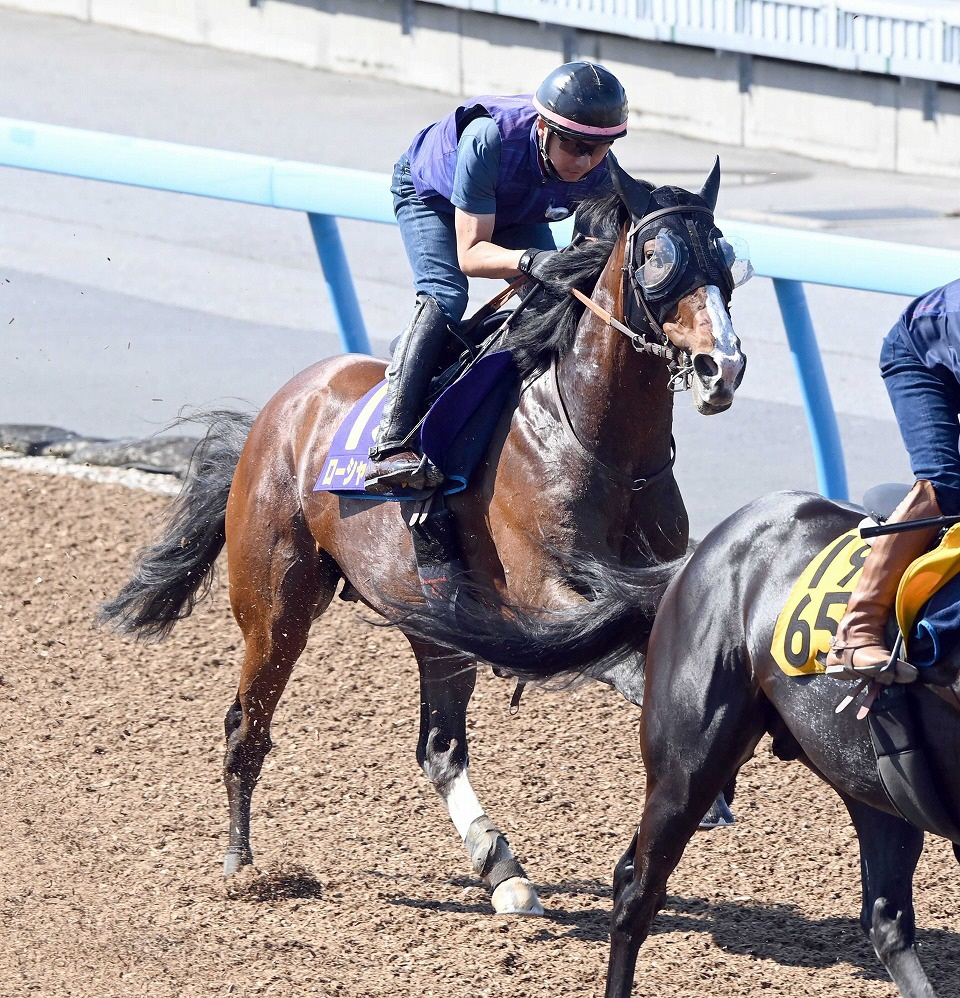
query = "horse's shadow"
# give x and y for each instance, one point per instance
(782, 933)
(777, 932)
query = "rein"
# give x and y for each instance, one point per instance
(680, 374)
(636, 484)
(640, 343)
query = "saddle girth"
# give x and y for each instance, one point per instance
(902, 764)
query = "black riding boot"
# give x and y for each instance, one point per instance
(393, 461)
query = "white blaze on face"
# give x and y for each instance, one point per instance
(726, 352)
(720, 319)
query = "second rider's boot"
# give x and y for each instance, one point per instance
(859, 649)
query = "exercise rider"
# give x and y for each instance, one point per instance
(920, 366)
(474, 195)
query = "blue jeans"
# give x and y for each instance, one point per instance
(430, 240)
(926, 402)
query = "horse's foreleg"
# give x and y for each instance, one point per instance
(671, 815)
(446, 685)
(889, 851)
(688, 764)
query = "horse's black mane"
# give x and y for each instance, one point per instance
(547, 325)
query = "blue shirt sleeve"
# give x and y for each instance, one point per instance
(478, 166)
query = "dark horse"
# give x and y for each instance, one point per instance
(713, 689)
(581, 459)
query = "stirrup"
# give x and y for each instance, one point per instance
(893, 669)
(421, 477)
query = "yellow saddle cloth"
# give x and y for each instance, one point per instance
(818, 600)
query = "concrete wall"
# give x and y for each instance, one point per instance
(875, 122)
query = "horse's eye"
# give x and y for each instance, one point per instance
(662, 262)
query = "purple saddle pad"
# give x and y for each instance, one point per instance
(454, 434)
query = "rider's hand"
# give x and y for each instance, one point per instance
(532, 262)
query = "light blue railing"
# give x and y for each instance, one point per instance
(788, 257)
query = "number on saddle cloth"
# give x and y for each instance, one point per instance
(927, 602)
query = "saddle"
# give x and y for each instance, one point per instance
(465, 402)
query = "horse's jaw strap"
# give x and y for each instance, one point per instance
(640, 343)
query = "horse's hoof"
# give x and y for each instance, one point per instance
(516, 896)
(719, 816)
(235, 860)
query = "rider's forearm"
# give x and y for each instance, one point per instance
(485, 259)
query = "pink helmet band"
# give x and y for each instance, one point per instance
(576, 126)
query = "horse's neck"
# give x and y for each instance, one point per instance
(616, 399)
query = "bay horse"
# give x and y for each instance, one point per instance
(713, 689)
(581, 459)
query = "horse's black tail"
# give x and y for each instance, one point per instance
(583, 640)
(172, 574)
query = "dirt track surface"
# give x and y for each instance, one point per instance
(114, 817)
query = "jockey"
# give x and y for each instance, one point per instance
(474, 195)
(920, 366)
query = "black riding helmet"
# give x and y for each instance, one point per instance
(582, 100)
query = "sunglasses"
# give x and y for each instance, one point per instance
(575, 148)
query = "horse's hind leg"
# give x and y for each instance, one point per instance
(276, 590)
(889, 851)
(446, 685)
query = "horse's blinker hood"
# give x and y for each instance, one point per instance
(688, 250)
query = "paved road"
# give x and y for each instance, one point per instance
(119, 306)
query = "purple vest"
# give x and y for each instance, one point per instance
(525, 194)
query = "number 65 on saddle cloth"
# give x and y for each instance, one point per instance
(927, 604)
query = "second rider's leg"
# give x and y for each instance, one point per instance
(926, 405)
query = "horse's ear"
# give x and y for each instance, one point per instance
(711, 189)
(632, 193)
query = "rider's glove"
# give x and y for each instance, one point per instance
(532, 262)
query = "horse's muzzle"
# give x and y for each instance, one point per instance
(717, 376)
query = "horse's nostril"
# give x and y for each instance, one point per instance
(706, 367)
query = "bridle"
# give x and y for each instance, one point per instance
(648, 336)
(679, 362)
